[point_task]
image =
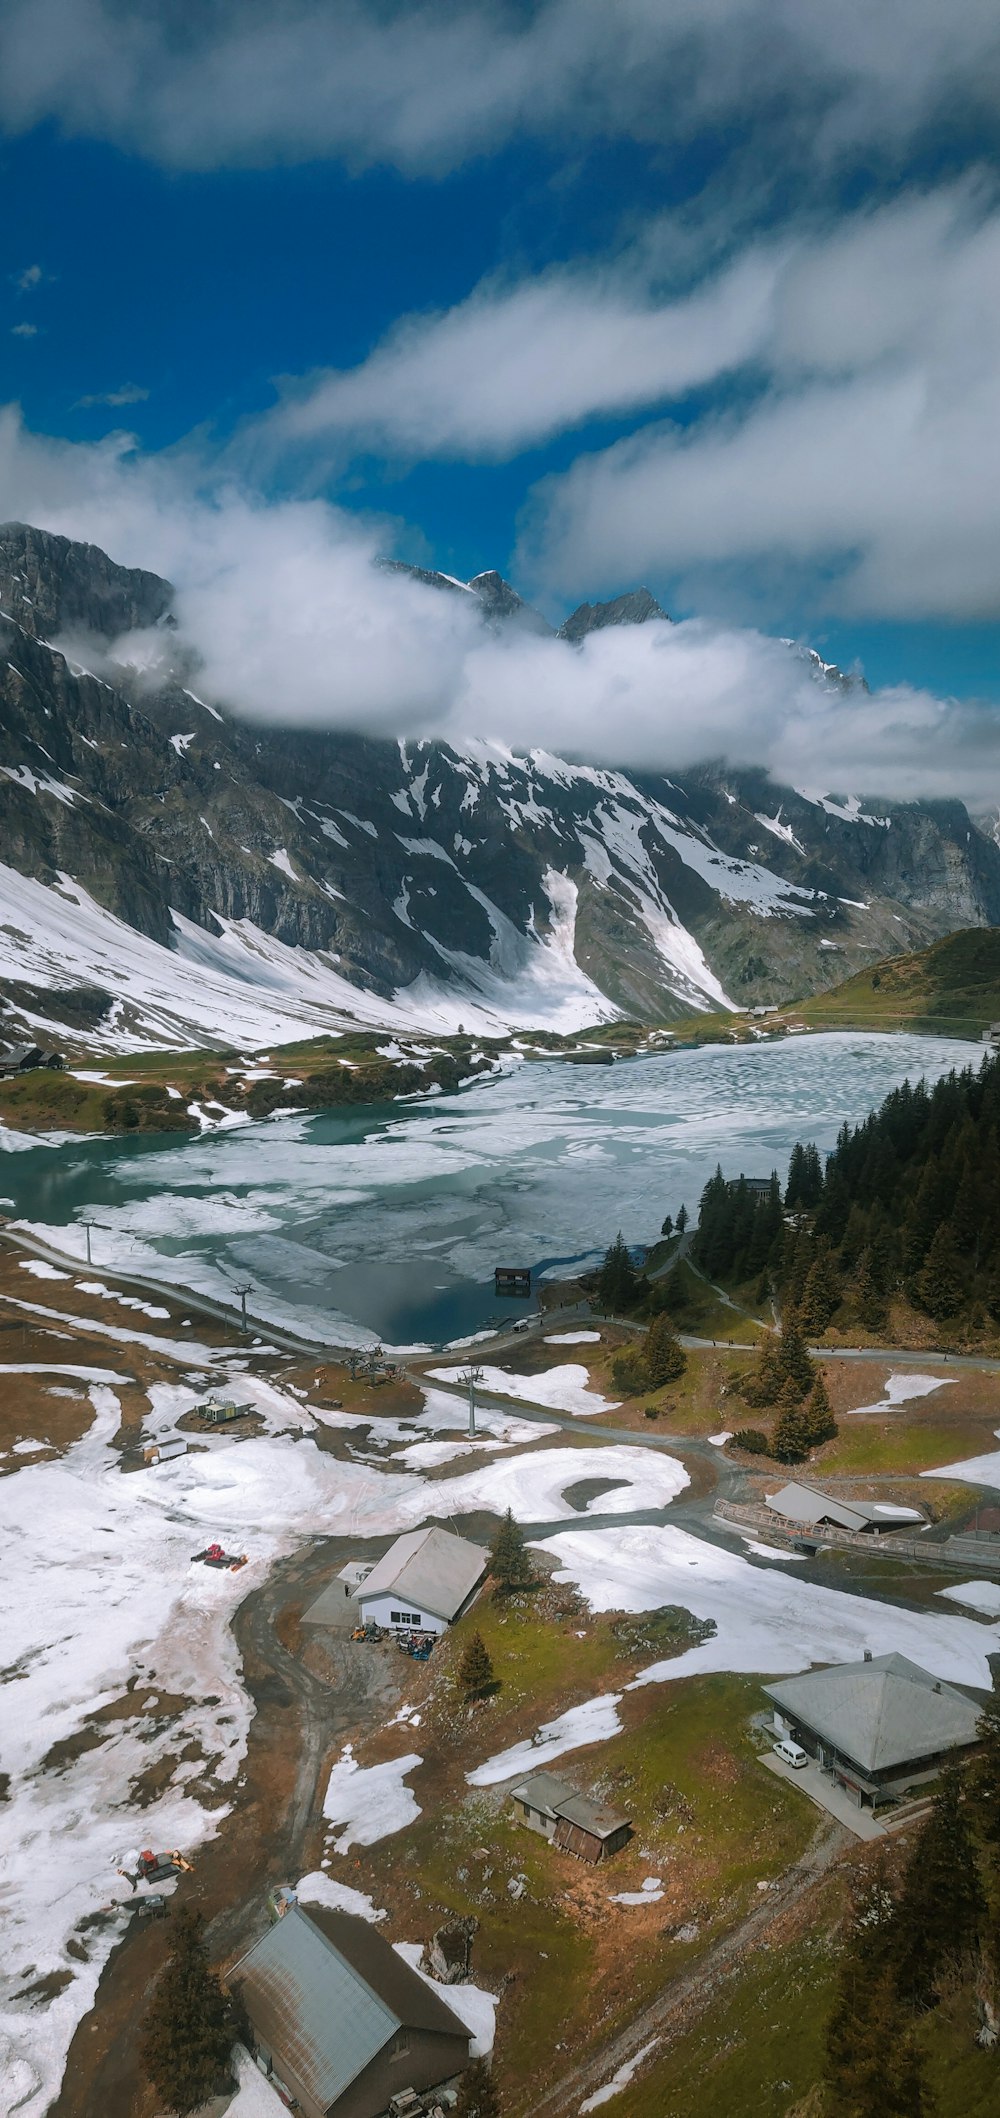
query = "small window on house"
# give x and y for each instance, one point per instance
(395, 1617)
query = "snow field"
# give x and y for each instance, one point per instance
(975, 1471)
(593, 1722)
(560, 1389)
(977, 1596)
(365, 1803)
(900, 1389)
(760, 1625)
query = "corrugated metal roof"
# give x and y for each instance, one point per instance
(327, 1994)
(881, 1713)
(311, 2006)
(430, 1569)
(800, 1503)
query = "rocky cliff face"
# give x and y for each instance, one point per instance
(362, 874)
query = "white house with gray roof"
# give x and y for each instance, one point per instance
(880, 1727)
(421, 1584)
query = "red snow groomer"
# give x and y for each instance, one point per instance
(213, 1555)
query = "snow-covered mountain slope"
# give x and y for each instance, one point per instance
(209, 881)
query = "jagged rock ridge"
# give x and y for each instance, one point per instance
(361, 874)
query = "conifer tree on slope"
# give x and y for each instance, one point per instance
(939, 1284)
(663, 1355)
(475, 1670)
(796, 1365)
(941, 1903)
(187, 2034)
(818, 1423)
(764, 1381)
(617, 1283)
(477, 2094)
(873, 2065)
(509, 1563)
(790, 1440)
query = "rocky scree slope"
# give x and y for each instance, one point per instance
(150, 841)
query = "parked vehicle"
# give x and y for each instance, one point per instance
(791, 1753)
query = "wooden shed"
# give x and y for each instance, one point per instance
(572, 1821)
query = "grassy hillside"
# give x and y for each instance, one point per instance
(953, 987)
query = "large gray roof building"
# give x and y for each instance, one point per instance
(340, 2019)
(879, 1726)
(806, 1504)
(431, 1572)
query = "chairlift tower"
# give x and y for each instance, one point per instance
(473, 1376)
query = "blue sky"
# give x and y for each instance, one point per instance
(706, 297)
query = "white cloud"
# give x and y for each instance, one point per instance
(293, 622)
(127, 393)
(868, 457)
(24, 330)
(515, 364)
(261, 81)
(30, 278)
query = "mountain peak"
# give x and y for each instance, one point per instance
(635, 607)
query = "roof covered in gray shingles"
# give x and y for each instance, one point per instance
(556, 1798)
(431, 1569)
(881, 1713)
(328, 1994)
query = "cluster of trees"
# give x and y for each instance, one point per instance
(784, 1377)
(909, 1203)
(655, 1360)
(189, 2031)
(912, 1942)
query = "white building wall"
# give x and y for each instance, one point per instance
(393, 1612)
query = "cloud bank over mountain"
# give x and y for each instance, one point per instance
(287, 617)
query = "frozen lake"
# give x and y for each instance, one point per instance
(391, 1218)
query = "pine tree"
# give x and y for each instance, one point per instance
(941, 1903)
(762, 1384)
(616, 1285)
(818, 1423)
(805, 1178)
(663, 1356)
(790, 1440)
(187, 2034)
(821, 1293)
(667, 1226)
(682, 1220)
(939, 1284)
(873, 2061)
(796, 1366)
(509, 1563)
(628, 1372)
(873, 1309)
(477, 2094)
(475, 1670)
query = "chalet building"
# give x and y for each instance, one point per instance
(338, 2021)
(758, 1187)
(812, 1508)
(880, 1728)
(25, 1059)
(571, 1821)
(421, 1584)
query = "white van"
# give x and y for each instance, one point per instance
(523, 1323)
(791, 1753)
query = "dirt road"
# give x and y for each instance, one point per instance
(273, 1835)
(686, 1997)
